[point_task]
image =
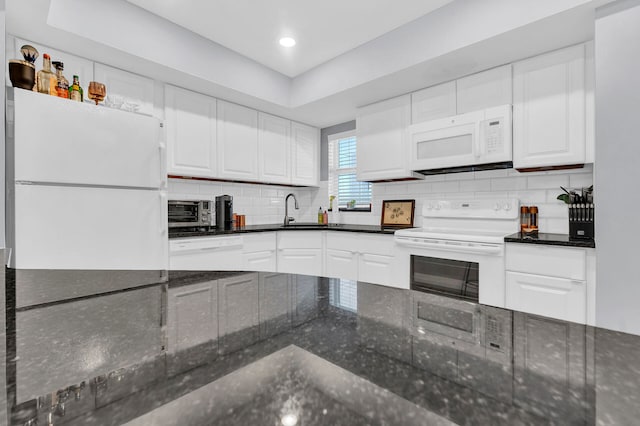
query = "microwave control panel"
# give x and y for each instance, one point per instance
(493, 131)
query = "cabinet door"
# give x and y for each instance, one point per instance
(274, 149)
(190, 122)
(237, 142)
(275, 304)
(300, 252)
(549, 109)
(259, 252)
(382, 140)
(304, 298)
(238, 311)
(375, 268)
(192, 316)
(305, 155)
(559, 298)
(341, 264)
(300, 261)
(484, 90)
(133, 88)
(433, 102)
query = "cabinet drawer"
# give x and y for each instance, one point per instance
(300, 240)
(342, 240)
(559, 298)
(545, 260)
(259, 241)
(382, 245)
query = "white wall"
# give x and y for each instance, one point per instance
(265, 204)
(617, 172)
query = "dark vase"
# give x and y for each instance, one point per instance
(22, 74)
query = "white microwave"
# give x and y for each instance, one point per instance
(478, 140)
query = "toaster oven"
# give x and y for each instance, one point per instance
(185, 213)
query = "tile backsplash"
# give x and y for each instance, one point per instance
(265, 204)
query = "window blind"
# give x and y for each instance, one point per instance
(342, 174)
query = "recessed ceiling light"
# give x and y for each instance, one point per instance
(287, 42)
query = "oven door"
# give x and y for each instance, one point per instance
(478, 275)
(184, 213)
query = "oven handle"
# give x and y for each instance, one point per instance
(451, 246)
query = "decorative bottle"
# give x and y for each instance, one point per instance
(62, 86)
(46, 80)
(75, 91)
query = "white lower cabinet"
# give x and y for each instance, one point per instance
(300, 252)
(341, 256)
(259, 252)
(553, 297)
(377, 259)
(555, 282)
(375, 268)
(222, 253)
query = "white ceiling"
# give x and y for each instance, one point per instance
(323, 29)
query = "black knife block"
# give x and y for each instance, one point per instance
(579, 228)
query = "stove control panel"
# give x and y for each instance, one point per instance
(476, 208)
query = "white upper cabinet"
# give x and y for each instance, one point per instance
(274, 147)
(190, 123)
(237, 142)
(305, 155)
(73, 65)
(484, 90)
(549, 109)
(433, 102)
(382, 142)
(133, 88)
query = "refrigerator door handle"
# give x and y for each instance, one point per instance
(164, 209)
(163, 164)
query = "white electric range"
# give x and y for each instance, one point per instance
(459, 251)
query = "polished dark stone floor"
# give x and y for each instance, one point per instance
(274, 349)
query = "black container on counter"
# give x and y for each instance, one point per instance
(224, 212)
(581, 221)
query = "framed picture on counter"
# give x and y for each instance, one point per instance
(397, 213)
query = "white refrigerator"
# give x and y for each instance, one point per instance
(86, 186)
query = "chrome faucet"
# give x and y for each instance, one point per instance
(288, 219)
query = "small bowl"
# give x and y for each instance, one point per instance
(114, 101)
(22, 74)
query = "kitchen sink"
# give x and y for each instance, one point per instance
(311, 225)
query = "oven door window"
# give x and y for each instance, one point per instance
(183, 213)
(448, 277)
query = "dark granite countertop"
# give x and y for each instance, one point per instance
(549, 239)
(296, 226)
(273, 349)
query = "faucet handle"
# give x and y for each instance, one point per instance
(291, 219)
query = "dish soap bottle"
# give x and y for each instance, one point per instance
(320, 216)
(325, 218)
